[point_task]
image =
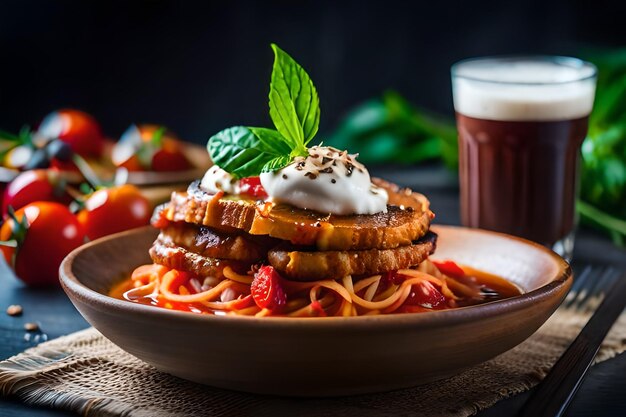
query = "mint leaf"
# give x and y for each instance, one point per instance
(244, 152)
(294, 103)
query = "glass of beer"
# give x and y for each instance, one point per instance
(521, 124)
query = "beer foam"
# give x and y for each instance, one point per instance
(523, 90)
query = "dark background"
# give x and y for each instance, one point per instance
(200, 67)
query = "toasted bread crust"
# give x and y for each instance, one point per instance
(407, 219)
(314, 266)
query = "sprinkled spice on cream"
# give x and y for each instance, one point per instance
(328, 181)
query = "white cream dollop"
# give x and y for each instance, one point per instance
(327, 181)
(216, 180)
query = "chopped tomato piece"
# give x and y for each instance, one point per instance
(266, 289)
(392, 277)
(252, 186)
(449, 268)
(425, 295)
(317, 309)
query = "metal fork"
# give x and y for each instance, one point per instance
(589, 288)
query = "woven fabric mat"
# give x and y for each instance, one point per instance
(86, 373)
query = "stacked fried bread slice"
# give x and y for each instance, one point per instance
(203, 233)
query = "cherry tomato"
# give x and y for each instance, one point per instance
(76, 128)
(31, 186)
(252, 186)
(266, 289)
(165, 160)
(149, 147)
(45, 233)
(425, 295)
(112, 210)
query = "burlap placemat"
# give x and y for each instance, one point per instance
(86, 373)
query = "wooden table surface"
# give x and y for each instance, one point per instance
(603, 393)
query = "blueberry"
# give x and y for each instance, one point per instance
(59, 150)
(39, 159)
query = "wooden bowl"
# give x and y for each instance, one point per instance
(321, 356)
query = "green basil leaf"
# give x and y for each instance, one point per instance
(239, 151)
(294, 103)
(277, 163)
(271, 141)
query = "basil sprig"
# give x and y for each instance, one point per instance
(295, 111)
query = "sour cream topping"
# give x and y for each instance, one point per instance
(327, 180)
(216, 180)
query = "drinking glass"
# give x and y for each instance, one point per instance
(521, 123)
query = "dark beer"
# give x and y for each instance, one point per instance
(521, 124)
(519, 177)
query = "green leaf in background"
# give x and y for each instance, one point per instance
(391, 130)
(240, 152)
(603, 168)
(9, 141)
(294, 104)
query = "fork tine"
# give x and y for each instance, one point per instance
(590, 287)
(594, 299)
(576, 286)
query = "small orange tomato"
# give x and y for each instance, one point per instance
(112, 210)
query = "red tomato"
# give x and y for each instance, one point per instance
(112, 210)
(392, 277)
(165, 160)
(149, 147)
(449, 268)
(317, 309)
(50, 232)
(426, 295)
(266, 289)
(76, 128)
(252, 186)
(31, 186)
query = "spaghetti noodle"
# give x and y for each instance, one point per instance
(430, 286)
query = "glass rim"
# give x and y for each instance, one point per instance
(565, 61)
